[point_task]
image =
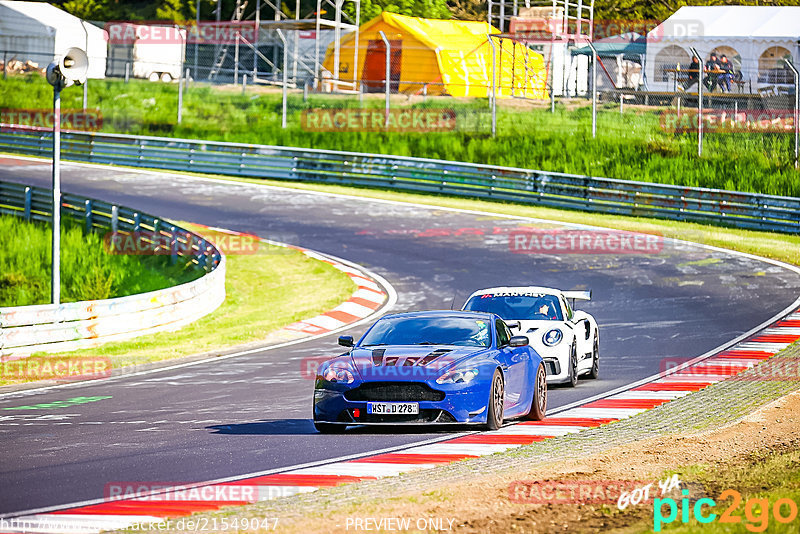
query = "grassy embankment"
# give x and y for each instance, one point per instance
(631, 145)
(88, 272)
(264, 291)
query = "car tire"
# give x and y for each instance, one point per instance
(539, 402)
(595, 358)
(329, 428)
(154, 77)
(166, 77)
(494, 415)
(573, 366)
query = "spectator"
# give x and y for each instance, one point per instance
(726, 75)
(712, 68)
(693, 74)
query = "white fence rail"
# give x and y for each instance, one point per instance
(54, 328)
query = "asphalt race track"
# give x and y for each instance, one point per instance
(251, 413)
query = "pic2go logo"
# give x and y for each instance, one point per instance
(756, 511)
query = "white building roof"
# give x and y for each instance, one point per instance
(39, 31)
(35, 18)
(759, 22)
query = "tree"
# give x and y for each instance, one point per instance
(431, 9)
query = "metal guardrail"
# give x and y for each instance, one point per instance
(558, 190)
(70, 326)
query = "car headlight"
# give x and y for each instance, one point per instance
(457, 376)
(552, 337)
(338, 375)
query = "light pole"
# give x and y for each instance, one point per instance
(796, 110)
(387, 75)
(69, 70)
(594, 89)
(493, 96)
(699, 102)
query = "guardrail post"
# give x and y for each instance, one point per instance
(173, 246)
(114, 219)
(28, 198)
(156, 234)
(137, 222)
(87, 216)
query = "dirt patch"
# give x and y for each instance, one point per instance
(486, 504)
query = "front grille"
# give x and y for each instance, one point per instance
(424, 416)
(394, 392)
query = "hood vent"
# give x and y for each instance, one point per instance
(432, 356)
(377, 356)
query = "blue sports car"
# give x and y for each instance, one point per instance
(433, 367)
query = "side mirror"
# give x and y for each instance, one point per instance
(518, 341)
(512, 324)
(346, 341)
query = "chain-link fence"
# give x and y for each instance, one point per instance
(301, 84)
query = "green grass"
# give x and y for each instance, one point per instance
(264, 292)
(88, 272)
(766, 477)
(628, 146)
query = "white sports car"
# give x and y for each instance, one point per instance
(567, 339)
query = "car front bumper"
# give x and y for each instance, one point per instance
(459, 404)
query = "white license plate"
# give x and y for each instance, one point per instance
(392, 408)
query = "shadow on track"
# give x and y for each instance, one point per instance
(296, 427)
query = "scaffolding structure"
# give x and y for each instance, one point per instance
(284, 31)
(552, 28)
(575, 19)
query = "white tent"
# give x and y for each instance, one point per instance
(38, 32)
(755, 38)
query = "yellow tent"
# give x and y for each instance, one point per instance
(439, 57)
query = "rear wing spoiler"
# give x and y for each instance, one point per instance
(578, 295)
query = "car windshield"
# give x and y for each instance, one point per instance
(429, 331)
(518, 306)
